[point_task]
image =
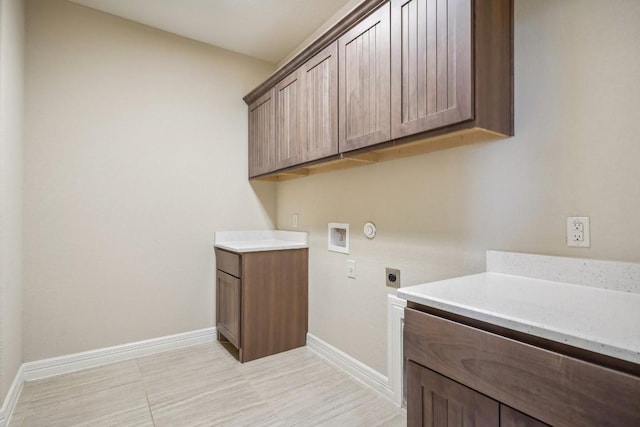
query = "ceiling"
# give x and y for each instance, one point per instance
(264, 29)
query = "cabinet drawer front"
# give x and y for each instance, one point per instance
(228, 262)
(556, 389)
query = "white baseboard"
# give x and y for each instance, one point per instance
(91, 359)
(351, 365)
(103, 356)
(12, 397)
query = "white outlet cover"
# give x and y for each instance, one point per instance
(578, 225)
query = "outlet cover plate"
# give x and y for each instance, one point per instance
(351, 269)
(578, 232)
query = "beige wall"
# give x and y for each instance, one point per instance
(136, 148)
(11, 141)
(576, 152)
(348, 6)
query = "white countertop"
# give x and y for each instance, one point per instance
(600, 320)
(263, 240)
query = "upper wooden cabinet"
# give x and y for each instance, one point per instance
(262, 135)
(363, 61)
(320, 105)
(387, 81)
(451, 66)
(288, 142)
(431, 72)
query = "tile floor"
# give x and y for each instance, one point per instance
(205, 386)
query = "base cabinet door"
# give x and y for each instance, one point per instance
(509, 417)
(228, 295)
(436, 401)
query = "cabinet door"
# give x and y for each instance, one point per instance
(437, 401)
(509, 417)
(364, 82)
(262, 135)
(431, 76)
(320, 104)
(288, 144)
(228, 297)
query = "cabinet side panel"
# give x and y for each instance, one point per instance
(494, 65)
(274, 302)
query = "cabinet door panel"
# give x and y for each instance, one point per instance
(228, 295)
(288, 144)
(320, 104)
(262, 135)
(431, 78)
(509, 417)
(364, 82)
(437, 401)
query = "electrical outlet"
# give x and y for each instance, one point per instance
(393, 277)
(351, 269)
(578, 231)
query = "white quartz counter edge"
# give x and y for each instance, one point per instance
(260, 245)
(260, 240)
(602, 321)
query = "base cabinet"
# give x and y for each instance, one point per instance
(261, 301)
(462, 372)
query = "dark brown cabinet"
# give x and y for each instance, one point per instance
(532, 381)
(320, 105)
(364, 79)
(262, 135)
(288, 141)
(437, 401)
(434, 400)
(261, 301)
(391, 79)
(431, 77)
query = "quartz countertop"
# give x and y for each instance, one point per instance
(263, 240)
(600, 320)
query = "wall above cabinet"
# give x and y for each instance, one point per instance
(391, 79)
